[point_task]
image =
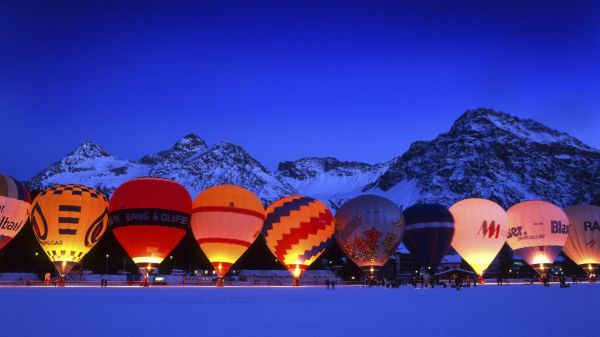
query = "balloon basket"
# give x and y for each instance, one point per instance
(61, 282)
(296, 282)
(480, 279)
(220, 283)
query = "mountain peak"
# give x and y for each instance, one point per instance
(484, 122)
(89, 149)
(185, 148)
(191, 140)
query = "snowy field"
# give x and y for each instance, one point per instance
(517, 310)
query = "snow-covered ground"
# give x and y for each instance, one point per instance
(491, 311)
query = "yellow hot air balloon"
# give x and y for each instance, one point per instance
(480, 231)
(538, 231)
(68, 220)
(583, 243)
(226, 220)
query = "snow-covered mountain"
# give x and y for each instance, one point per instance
(494, 155)
(190, 161)
(486, 153)
(329, 179)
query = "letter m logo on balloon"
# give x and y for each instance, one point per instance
(491, 231)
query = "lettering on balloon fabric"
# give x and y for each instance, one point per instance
(149, 216)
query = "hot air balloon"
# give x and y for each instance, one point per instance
(583, 242)
(15, 205)
(297, 230)
(68, 220)
(537, 232)
(226, 220)
(428, 232)
(149, 217)
(481, 227)
(369, 228)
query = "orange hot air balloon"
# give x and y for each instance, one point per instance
(538, 231)
(480, 230)
(226, 220)
(15, 206)
(149, 217)
(297, 230)
(68, 220)
(583, 243)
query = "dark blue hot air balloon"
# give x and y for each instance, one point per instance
(429, 229)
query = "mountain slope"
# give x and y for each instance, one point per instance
(495, 155)
(486, 153)
(329, 179)
(190, 162)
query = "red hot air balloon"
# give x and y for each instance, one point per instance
(149, 217)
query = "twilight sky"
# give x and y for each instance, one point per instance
(286, 79)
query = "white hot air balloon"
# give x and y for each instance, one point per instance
(537, 232)
(481, 227)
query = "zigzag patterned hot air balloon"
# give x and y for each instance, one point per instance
(149, 217)
(226, 220)
(15, 205)
(68, 220)
(297, 230)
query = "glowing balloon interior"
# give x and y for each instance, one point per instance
(149, 217)
(297, 230)
(68, 220)
(480, 231)
(583, 242)
(537, 232)
(226, 220)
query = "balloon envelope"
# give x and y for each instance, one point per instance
(149, 217)
(428, 233)
(583, 242)
(537, 232)
(369, 228)
(226, 220)
(15, 206)
(297, 230)
(68, 220)
(480, 231)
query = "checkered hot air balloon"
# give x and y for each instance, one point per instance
(226, 220)
(15, 206)
(369, 228)
(149, 217)
(68, 220)
(297, 230)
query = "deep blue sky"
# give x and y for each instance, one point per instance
(359, 81)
